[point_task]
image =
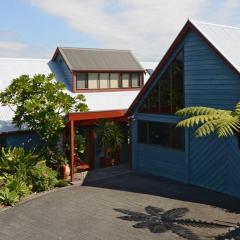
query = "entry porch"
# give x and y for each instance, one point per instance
(85, 124)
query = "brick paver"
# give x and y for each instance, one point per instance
(88, 212)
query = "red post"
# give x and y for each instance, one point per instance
(72, 149)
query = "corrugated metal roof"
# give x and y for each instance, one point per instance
(11, 68)
(225, 38)
(100, 59)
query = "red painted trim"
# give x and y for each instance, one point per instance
(107, 90)
(72, 149)
(75, 90)
(94, 121)
(74, 82)
(168, 54)
(96, 115)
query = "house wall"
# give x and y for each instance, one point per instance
(208, 162)
(65, 71)
(27, 140)
(214, 163)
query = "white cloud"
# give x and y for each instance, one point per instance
(147, 27)
(11, 49)
(11, 45)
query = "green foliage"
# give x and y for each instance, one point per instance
(8, 197)
(109, 135)
(79, 144)
(43, 177)
(211, 120)
(62, 183)
(20, 171)
(41, 103)
(14, 183)
(17, 161)
(54, 157)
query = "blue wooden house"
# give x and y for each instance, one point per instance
(201, 68)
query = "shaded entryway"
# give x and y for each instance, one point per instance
(100, 210)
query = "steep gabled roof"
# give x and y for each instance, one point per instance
(224, 40)
(86, 59)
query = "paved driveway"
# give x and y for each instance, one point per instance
(126, 207)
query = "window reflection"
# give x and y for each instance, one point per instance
(168, 95)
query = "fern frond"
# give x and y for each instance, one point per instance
(224, 127)
(206, 129)
(196, 120)
(228, 126)
(237, 109)
(199, 110)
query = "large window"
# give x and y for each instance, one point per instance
(161, 134)
(167, 96)
(107, 80)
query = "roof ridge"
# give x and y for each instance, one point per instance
(213, 24)
(96, 49)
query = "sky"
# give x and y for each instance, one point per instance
(34, 28)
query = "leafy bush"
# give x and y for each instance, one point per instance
(17, 161)
(20, 172)
(18, 185)
(62, 183)
(8, 197)
(43, 177)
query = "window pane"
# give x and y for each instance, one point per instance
(104, 78)
(159, 134)
(170, 90)
(135, 80)
(114, 79)
(165, 97)
(177, 83)
(154, 100)
(142, 132)
(81, 81)
(92, 80)
(125, 80)
(144, 107)
(178, 138)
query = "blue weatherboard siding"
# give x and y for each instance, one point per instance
(210, 82)
(207, 162)
(65, 70)
(29, 141)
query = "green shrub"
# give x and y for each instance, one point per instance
(19, 186)
(43, 177)
(8, 197)
(17, 161)
(62, 183)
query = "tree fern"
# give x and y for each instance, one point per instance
(211, 120)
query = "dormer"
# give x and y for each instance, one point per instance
(99, 70)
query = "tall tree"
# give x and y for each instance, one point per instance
(41, 103)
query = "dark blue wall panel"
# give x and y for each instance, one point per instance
(29, 141)
(207, 162)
